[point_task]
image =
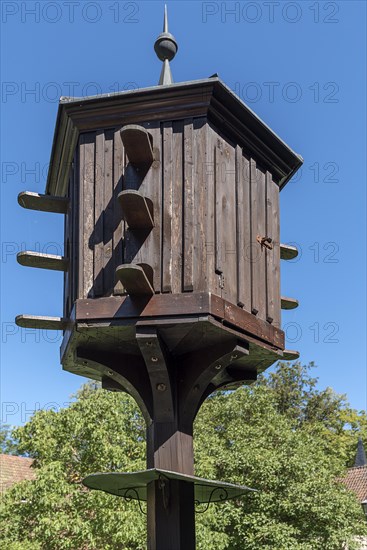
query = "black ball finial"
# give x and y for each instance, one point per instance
(165, 46)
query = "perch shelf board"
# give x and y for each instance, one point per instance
(135, 280)
(42, 261)
(39, 322)
(44, 203)
(290, 355)
(138, 145)
(288, 303)
(288, 252)
(137, 210)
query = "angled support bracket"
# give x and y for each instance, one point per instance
(158, 371)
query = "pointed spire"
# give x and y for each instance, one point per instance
(361, 459)
(166, 48)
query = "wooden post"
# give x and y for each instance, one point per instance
(171, 508)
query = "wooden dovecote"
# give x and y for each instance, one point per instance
(169, 190)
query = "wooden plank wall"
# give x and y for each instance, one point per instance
(210, 203)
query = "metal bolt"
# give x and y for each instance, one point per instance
(149, 343)
(154, 359)
(218, 367)
(109, 373)
(234, 357)
(161, 387)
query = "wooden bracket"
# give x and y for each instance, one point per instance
(38, 322)
(119, 373)
(43, 261)
(137, 279)
(288, 252)
(288, 303)
(158, 371)
(136, 209)
(207, 371)
(138, 145)
(45, 203)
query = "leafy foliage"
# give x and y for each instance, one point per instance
(7, 444)
(261, 436)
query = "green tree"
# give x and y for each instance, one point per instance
(7, 444)
(243, 436)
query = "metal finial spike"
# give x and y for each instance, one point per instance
(165, 20)
(166, 48)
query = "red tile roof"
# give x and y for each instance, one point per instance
(356, 480)
(14, 469)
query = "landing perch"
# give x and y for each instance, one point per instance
(47, 323)
(136, 209)
(288, 303)
(45, 203)
(43, 261)
(138, 145)
(288, 252)
(135, 279)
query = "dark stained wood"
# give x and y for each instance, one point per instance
(219, 221)
(86, 216)
(75, 244)
(201, 199)
(135, 280)
(45, 203)
(257, 253)
(290, 355)
(171, 528)
(272, 254)
(138, 144)
(144, 246)
(167, 208)
(243, 231)
(158, 371)
(207, 98)
(240, 318)
(136, 209)
(99, 215)
(288, 252)
(177, 207)
(108, 211)
(39, 322)
(118, 222)
(188, 206)
(228, 214)
(197, 303)
(44, 261)
(259, 259)
(289, 303)
(213, 279)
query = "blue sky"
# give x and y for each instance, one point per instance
(299, 65)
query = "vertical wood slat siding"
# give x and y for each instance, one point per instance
(188, 202)
(167, 207)
(118, 222)
(229, 217)
(216, 202)
(218, 198)
(75, 240)
(210, 229)
(152, 187)
(201, 199)
(258, 220)
(68, 232)
(177, 208)
(243, 230)
(99, 206)
(273, 256)
(86, 214)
